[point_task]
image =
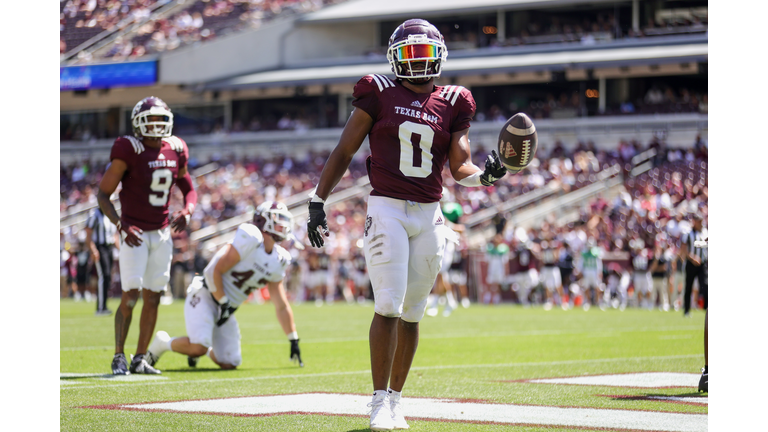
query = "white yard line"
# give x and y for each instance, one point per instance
(435, 367)
(440, 409)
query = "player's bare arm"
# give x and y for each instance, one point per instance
(90, 244)
(282, 307)
(180, 218)
(230, 258)
(112, 177)
(467, 173)
(107, 187)
(460, 156)
(355, 131)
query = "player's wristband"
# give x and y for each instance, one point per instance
(316, 198)
(472, 180)
(119, 226)
(223, 299)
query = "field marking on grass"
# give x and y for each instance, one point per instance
(424, 335)
(415, 368)
(633, 380)
(430, 409)
(68, 378)
(685, 400)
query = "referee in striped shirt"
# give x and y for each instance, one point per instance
(695, 263)
(101, 236)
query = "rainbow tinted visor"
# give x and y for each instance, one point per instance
(417, 52)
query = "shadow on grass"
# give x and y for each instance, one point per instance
(660, 397)
(217, 369)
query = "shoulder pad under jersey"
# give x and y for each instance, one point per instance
(283, 256)
(381, 81)
(247, 238)
(451, 93)
(138, 147)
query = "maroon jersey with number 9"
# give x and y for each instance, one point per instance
(148, 180)
(411, 135)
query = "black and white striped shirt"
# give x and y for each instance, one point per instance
(693, 236)
(103, 229)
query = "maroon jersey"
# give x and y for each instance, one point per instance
(522, 261)
(148, 180)
(411, 135)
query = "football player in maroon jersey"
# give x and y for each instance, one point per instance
(414, 127)
(147, 164)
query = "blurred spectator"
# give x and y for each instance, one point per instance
(653, 207)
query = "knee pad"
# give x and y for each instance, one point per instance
(388, 305)
(415, 312)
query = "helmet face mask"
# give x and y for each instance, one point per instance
(273, 218)
(143, 127)
(416, 51)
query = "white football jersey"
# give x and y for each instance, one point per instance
(256, 266)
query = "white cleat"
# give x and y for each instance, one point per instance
(397, 413)
(157, 347)
(381, 415)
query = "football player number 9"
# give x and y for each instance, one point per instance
(416, 152)
(161, 184)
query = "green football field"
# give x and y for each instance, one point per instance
(478, 360)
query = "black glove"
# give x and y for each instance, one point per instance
(296, 352)
(317, 221)
(225, 311)
(494, 170)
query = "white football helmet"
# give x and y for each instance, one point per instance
(151, 106)
(274, 218)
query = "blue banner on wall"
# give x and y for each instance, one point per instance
(107, 75)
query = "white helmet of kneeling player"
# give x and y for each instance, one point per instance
(273, 217)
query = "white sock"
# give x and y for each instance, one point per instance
(380, 394)
(394, 395)
(170, 344)
(451, 300)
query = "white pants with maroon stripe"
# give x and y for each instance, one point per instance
(404, 247)
(200, 315)
(149, 264)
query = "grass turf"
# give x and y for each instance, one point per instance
(473, 354)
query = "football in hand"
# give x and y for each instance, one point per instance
(517, 143)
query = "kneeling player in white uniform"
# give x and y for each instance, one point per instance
(252, 260)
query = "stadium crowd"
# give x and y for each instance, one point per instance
(653, 210)
(204, 20)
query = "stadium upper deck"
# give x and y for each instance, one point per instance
(551, 58)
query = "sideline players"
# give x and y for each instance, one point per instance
(414, 127)
(550, 273)
(253, 259)
(147, 164)
(641, 275)
(443, 290)
(591, 269)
